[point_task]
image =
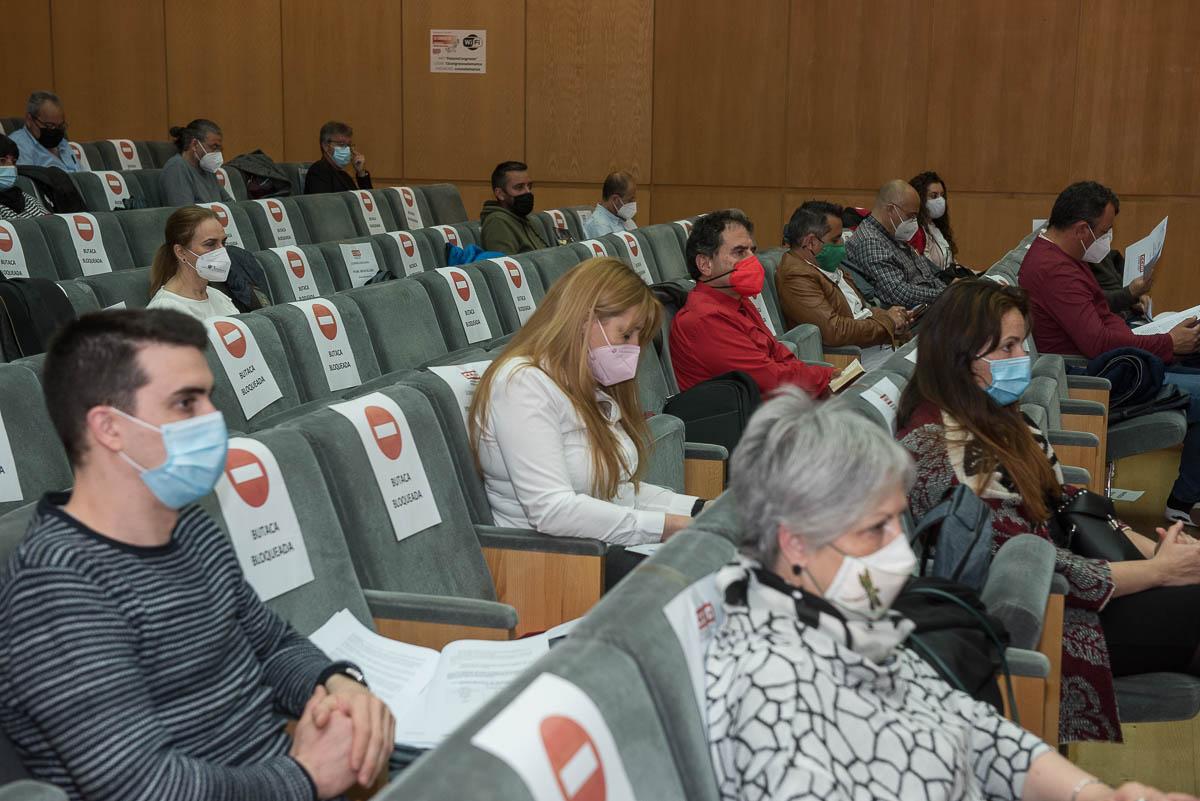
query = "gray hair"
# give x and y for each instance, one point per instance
(334, 128)
(38, 99)
(811, 217)
(811, 467)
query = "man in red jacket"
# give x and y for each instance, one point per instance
(1070, 314)
(719, 330)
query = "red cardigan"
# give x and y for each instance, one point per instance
(1070, 314)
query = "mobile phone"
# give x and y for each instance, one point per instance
(919, 309)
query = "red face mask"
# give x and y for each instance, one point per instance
(746, 277)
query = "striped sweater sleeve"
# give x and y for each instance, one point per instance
(75, 661)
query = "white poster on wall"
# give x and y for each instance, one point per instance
(458, 51)
(261, 520)
(395, 461)
(299, 274)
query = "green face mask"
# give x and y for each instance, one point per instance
(831, 257)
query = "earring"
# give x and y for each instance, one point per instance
(797, 570)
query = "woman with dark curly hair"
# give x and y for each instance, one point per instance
(934, 238)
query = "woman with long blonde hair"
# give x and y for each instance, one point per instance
(556, 421)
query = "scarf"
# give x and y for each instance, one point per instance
(967, 457)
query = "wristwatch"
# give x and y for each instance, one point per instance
(347, 669)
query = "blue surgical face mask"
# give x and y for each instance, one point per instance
(341, 155)
(195, 458)
(8, 177)
(1010, 379)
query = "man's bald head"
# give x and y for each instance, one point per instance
(897, 193)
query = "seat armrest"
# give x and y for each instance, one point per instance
(1075, 360)
(816, 363)
(1031, 664)
(1088, 382)
(706, 451)
(1077, 476)
(844, 350)
(1091, 408)
(1059, 585)
(523, 539)
(1078, 438)
(1018, 584)
(443, 609)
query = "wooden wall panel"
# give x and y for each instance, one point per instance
(856, 91)
(588, 88)
(1138, 96)
(109, 68)
(761, 205)
(344, 66)
(996, 94)
(719, 92)
(459, 127)
(986, 226)
(843, 197)
(1176, 286)
(224, 63)
(26, 58)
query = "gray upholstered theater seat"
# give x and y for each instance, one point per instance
(553, 263)
(1157, 697)
(276, 213)
(616, 686)
(409, 206)
(299, 272)
(667, 251)
(160, 153)
(509, 285)
(24, 251)
(150, 184)
(308, 368)
(144, 232)
(372, 214)
(353, 262)
(470, 283)
(445, 203)
(417, 341)
(232, 182)
(39, 459)
(633, 250)
(80, 296)
(406, 253)
(327, 217)
(131, 287)
(109, 240)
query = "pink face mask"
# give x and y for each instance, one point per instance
(612, 364)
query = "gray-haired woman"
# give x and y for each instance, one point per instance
(811, 694)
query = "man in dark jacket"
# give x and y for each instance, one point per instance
(505, 222)
(337, 153)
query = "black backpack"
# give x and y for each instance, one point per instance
(31, 311)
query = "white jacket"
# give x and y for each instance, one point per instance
(537, 466)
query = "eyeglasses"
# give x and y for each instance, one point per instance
(46, 126)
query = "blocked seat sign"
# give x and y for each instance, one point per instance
(408, 202)
(370, 212)
(360, 261)
(637, 258)
(555, 738)
(395, 462)
(253, 383)
(885, 397)
(297, 272)
(127, 154)
(761, 306)
(518, 287)
(278, 221)
(225, 217)
(116, 190)
(80, 156)
(596, 247)
(332, 343)
(462, 380)
(410, 254)
(12, 255)
(466, 301)
(449, 235)
(262, 521)
(88, 242)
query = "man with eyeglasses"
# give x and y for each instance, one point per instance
(42, 141)
(880, 252)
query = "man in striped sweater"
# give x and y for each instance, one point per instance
(135, 660)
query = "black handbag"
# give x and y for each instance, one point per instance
(1087, 525)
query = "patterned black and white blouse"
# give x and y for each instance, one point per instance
(17, 204)
(794, 713)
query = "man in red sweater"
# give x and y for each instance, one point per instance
(1070, 314)
(719, 330)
